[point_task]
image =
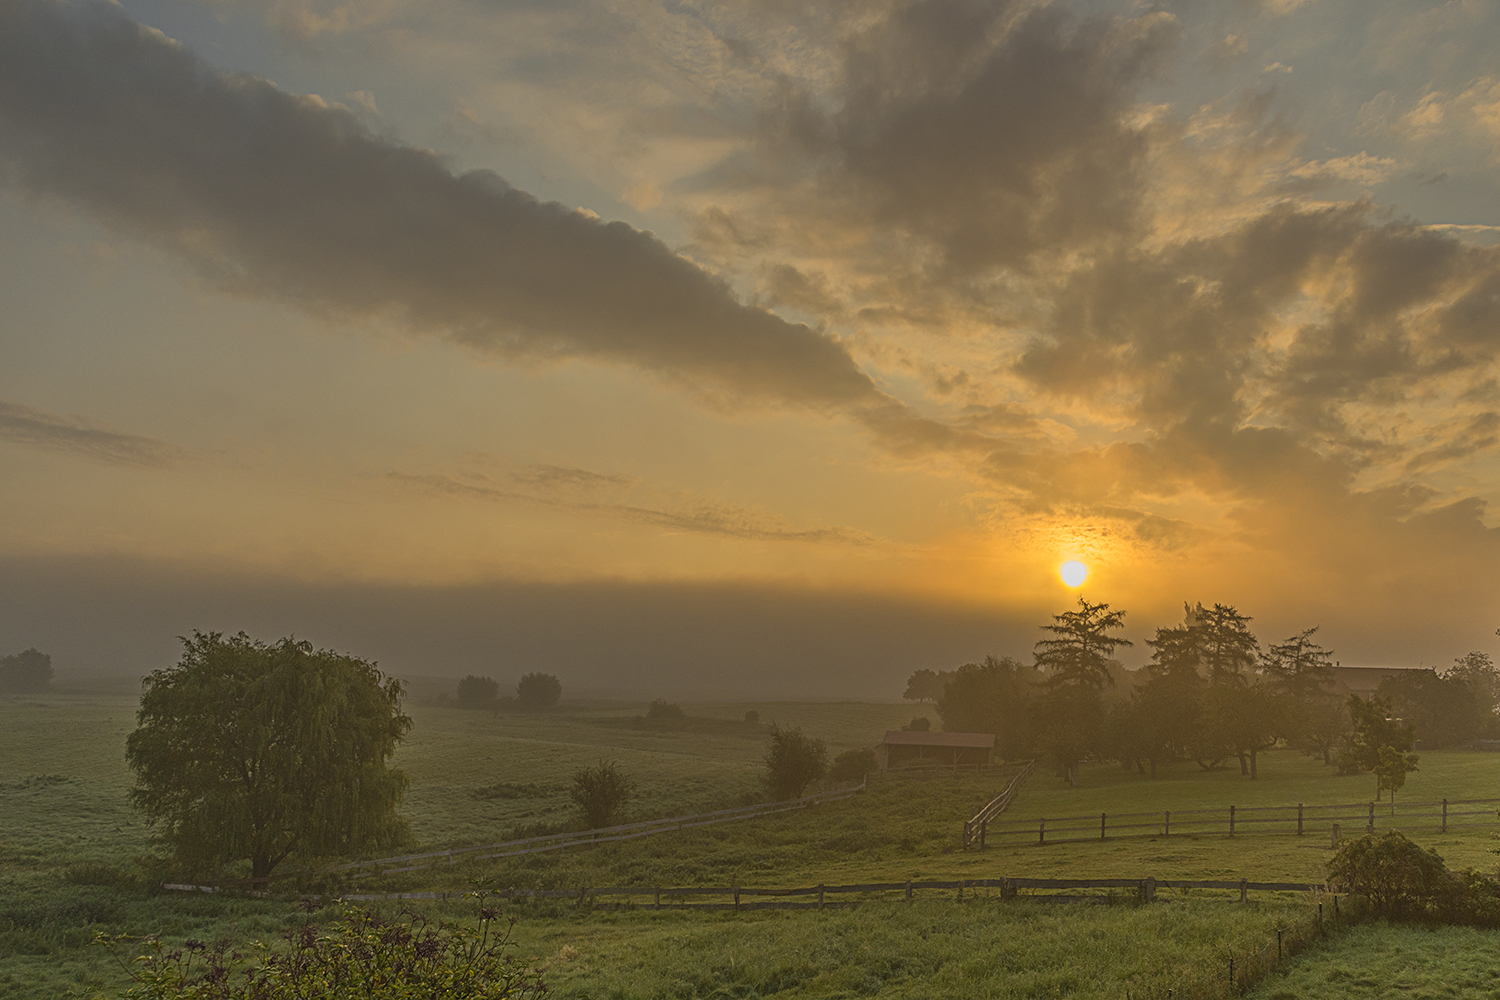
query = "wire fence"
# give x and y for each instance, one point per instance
(1300, 819)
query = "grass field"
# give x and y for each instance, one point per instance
(69, 845)
(1384, 962)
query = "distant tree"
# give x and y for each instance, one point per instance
(1247, 718)
(1225, 644)
(538, 691)
(478, 692)
(1391, 770)
(1443, 709)
(662, 710)
(244, 750)
(921, 724)
(794, 760)
(925, 685)
(1374, 727)
(752, 716)
(25, 672)
(1083, 648)
(1300, 672)
(1070, 711)
(601, 793)
(853, 765)
(993, 697)
(1480, 674)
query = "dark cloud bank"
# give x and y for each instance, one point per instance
(118, 617)
(275, 194)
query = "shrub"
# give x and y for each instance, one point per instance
(661, 710)
(853, 765)
(1399, 879)
(537, 691)
(794, 760)
(601, 792)
(752, 716)
(478, 692)
(364, 957)
(25, 672)
(921, 724)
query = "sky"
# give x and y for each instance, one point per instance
(745, 347)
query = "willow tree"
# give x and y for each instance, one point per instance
(245, 751)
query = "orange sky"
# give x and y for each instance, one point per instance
(905, 303)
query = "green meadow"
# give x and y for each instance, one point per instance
(72, 850)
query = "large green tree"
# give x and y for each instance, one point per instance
(249, 751)
(1077, 659)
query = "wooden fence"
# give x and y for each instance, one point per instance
(741, 898)
(560, 841)
(1367, 817)
(974, 829)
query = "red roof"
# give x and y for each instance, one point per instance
(920, 739)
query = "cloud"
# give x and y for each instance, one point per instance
(29, 426)
(272, 194)
(708, 517)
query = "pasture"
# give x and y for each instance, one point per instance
(1379, 961)
(72, 850)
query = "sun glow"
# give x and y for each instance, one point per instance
(1074, 573)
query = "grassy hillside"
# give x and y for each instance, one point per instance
(69, 844)
(1384, 962)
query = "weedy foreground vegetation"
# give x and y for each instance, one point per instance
(70, 850)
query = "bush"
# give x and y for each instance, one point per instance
(364, 957)
(794, 760)
(536, 691)
(853, 765)
(1396, 877)
(752, 716)
(477, 692)
(26, 672)
(661, 710)
(921, 724)
(601, 792)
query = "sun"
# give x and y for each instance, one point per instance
(1074, 573)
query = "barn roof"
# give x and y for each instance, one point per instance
(919, 739)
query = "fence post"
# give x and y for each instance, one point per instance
(1231, 821)
(658, 897)
(1041, 831)
(1166, 826)
(1278, 944)
(820, 893)
(1335, 843)
(736, 899)
(1149, 888)
(1231, 972)
(1299, 819)
(983, 829)
(1445, 815)
(1101, 826)
(1370, 823)
(908, 890)
(1244, 890)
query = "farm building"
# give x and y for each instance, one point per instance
(947, 749)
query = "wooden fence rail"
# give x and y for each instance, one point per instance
(1300, 819)
(745, 898)
(974, 829)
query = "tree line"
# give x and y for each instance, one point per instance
(1211, 693)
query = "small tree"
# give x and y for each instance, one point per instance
(537, 691)
(601, 793)
(794, 760)
(662, 710)
(251, 751)
(853, 765)
(926, 685)
(25, 672)
(477, 692)
(1391, 771)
